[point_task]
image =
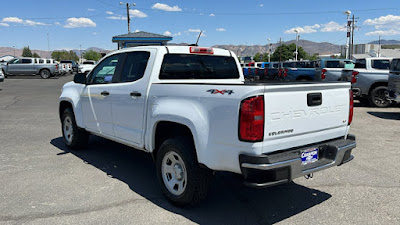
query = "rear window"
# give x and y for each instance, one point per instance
(361, 64)
(63, 61)
(381, 64)
(90, 63)
(48, 61)
(191, 66)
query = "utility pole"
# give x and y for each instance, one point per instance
(80, 53)
(127, 14)
(352, 37)
(348, 33)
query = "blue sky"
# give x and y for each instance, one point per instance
(69, 24)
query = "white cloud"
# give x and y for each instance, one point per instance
(167, 33)
(94, 33)
(333, 27)
(109, 12)
(137, 13)
(33, 23)
(212, 14)
(261, 5)
(304, 30)
(13, 20)
(177, 34)
(221, 29)
(384, 25)
(194, 30)
(383, 32)
(79, 22)
(4, 25)
(21, 21)
(383, 21)
(166, 7)
(57, 23)
(117, 17)
(137, 30)
(91, 10)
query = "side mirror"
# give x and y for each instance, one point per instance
(80, 78)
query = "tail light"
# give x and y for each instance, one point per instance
(56, 67)
(265, 72)
(256, 71)
(285, 73)
(354, 77)
(251, 119)
(280, 72)
(351, 107)
(323, 74)
(64, 66)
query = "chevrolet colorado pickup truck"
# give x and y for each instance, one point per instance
(191, 109)
(369, 80)
(29, 66)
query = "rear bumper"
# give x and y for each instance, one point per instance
(284, 166)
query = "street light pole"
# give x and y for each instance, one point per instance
(348, 13)
(297, 38)
(127, 14)
(14, 49)
(269, 49)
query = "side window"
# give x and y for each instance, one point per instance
(104, 72)
(361, 64)
(332, 64)
(26, 61)
(15, 61)
(395, 66)
(134, 66)
(381, 64)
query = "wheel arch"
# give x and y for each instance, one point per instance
(377, 84)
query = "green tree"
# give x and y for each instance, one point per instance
(64, 55)
(35, 55)
(26, 52)
(258, 57)
(286, 52)
(92, 55)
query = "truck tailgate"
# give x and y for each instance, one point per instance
(302, 114)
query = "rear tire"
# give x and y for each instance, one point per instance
(377, 97)
(183, 182)
(45, 74)
(73, 136)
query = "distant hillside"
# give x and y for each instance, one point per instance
(46, 54)
(386, 42)
(310, 47)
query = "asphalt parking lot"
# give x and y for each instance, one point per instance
(42, 182)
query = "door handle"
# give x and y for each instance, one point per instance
(135, 94)
(105, 93)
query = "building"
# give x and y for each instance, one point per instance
(140, 39)
(361, 51)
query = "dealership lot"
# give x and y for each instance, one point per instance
(42, 182)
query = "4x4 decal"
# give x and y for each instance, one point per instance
(216, 91)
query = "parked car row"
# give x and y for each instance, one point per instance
(46, 68)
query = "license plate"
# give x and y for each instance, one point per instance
(309, 156)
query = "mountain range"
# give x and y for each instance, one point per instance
(322, 48)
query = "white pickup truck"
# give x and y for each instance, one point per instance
(86, 66)
(192, 110)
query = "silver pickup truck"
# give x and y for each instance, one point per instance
(30, 66)
(369, 80)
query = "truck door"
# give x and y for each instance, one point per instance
(130, 96)
(13, 67)
(96, 96)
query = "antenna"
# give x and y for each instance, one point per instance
(198, 37)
